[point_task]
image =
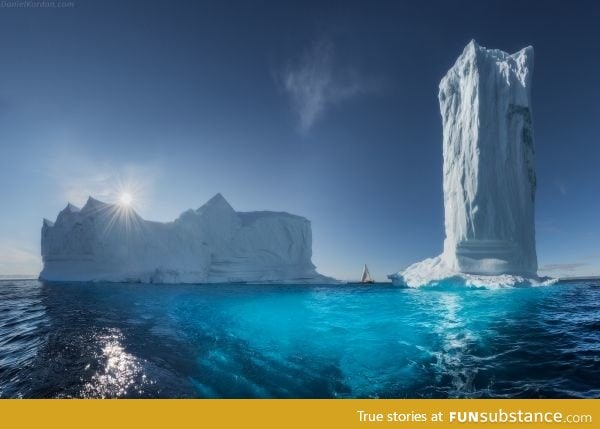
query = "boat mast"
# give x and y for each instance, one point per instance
(366, 277)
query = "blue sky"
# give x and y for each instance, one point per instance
(324, 109)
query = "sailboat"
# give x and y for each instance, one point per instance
(366, 276)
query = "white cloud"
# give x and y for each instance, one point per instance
(315, 83)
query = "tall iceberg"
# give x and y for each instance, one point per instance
(213, 244)
(488, 171)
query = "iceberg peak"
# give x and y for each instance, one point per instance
(217, 197)
(93, 204)
(472, 46)
(217, 201)
(72, 208)
(220, 220)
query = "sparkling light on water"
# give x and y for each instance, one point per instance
(120, 372)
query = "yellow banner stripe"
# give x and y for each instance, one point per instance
(298, 413)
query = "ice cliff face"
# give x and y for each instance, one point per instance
(488, 171)
(213, 244)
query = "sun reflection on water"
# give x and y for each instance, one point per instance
(120, 373)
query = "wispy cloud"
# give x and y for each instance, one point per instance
(548, 226)
(561, 186)
(315, 82)
(574, 266)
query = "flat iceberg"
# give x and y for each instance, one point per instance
(489, 178)
(213, 244)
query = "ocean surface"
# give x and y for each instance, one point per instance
(241, 341)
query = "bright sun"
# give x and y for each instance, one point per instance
(125, 198)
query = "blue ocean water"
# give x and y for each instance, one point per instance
(242, 341)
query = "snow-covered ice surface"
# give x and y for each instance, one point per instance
(213, 244)
(435, 272)
(488, 172)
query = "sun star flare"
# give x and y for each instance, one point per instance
(126, 199)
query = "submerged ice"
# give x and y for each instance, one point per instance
(489, 178)
(213, 244)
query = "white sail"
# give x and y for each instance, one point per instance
(366, 277)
